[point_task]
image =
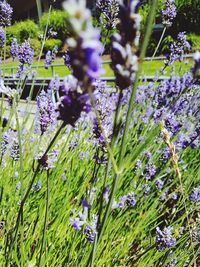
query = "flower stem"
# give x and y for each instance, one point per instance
(158, 45)
(45, 220)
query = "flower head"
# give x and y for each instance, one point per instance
(14, 49)
(124, 60)
(72, 102)
(2, 37)
(169, 13)
(164, 238)
(195, 195)
(6, 12)
(46, 111)
(178, 48)
(84, 47)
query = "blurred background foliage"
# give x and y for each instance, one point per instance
(187, 19)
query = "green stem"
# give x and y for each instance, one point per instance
(4, 58)
(45, 35)
(158, 45)
(45, 220)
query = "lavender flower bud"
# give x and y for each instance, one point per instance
(6, 12)
(89, 234)
(159, 184)
(131, 199)
(14, 153)
(26, 53)
(169, 13)
(50, 57)
(124, 61)
(2, 38)
(177, 49)
(164, 238)
(76, 223)
(46, 111)
(14, 49)
(172, 263)
(72, 102)
(195, 195)
(84, 47)
(107, 13)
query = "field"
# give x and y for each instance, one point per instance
(149, 68)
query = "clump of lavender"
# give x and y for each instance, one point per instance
(6, 12)
(124, 59)
(195, 195)
(25, 56)
(2, 38)
(50, 57)
(14, 49)
(169, 13)
(164, 238)
(72, 101)
(46, 111)
(177, 49)
(84, 47)
(107, 13)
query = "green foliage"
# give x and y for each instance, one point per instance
(51, 43)
(187, 18)
(194, 41)
(58, 22)
(36, 45)
(22, 30)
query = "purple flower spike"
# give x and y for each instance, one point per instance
(2, 38)
(124, 60)
(84, 47)
(6, 12)
(169, 13)
(131, 199)
(72, 102)
(89, 234)
(164, 238)
(195, 195)
(14, 49)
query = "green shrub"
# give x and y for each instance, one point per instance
(58, 22)
(22, 30)
(51, 43)
(36, 45)
(194, 41)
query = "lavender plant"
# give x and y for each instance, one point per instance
(102, 174)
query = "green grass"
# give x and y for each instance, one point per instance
(149, 68)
